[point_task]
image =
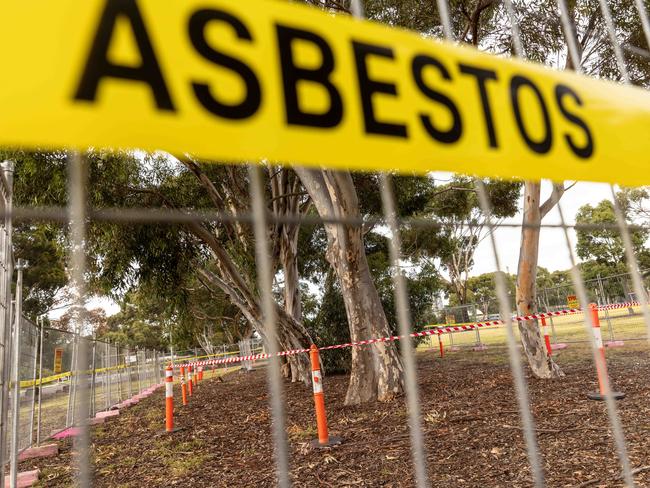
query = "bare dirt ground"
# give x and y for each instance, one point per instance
(471, 428)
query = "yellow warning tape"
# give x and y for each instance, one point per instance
(56, 377)
(256, 79)
(50, 379)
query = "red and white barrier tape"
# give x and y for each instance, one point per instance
(436, 331)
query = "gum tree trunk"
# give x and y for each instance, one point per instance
(541, 364)
(377, 372)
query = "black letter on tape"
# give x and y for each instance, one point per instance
(588, 149)
(292, 74)
(453, 134)
(249, 105)
(367, 87)
(543, 146)
(482, 75)
(98, 66)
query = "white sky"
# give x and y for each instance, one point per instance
(553, 253)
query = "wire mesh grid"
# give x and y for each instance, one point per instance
(140, 369)
(28, 353)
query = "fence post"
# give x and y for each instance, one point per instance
(119, 371)
(601, 369)
(127, 364)
(92, 403)
(40, 384)
(156, 373)
(147, 374)
(7, 168)
(183, 386)
(106, 378)
(34, 389)
(137, 368)
(324, 439)
(15, 407)
(69, 419)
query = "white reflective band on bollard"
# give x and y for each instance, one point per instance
(169, 384)
(317, 381)
(598, 337)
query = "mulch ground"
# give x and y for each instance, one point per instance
(470, 423)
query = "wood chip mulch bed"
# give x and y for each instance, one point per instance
(470, 421)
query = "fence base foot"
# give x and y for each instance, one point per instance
(69, 432)
(333, 441)
(598, 396)
(480, 347)
(559, 346)
(614, 344)
(453, 349)
(25, 479)
(47, 450)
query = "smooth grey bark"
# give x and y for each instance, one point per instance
(227, 193)
(287, 199)
(541, 364)
(377, 372)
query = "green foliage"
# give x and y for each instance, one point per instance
(40, 244)
(605, 245)
(482, 291)
(455, 205)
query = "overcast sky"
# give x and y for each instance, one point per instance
(553, 253)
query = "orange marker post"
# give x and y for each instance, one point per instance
(169, 399)
(324, 439)
(189, 380)
(601, 369)
(183, 386)
(547, 339)
(200, 373)
(442, 347)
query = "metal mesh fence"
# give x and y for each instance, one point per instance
(50, 388)
(28, 355)
(55, 385)
(123, 372)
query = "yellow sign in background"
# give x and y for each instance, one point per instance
(58, 359)
(572, 301)
(255, 79)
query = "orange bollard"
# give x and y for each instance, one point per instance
(200, 373)
(601, 369)
(189, 380)
(324, 439)
(183, 386)
(169, 399)
(547, 339)
(442, 347)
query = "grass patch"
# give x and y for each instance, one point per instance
(183, 465)
(297, 433)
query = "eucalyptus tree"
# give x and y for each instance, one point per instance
(167, 260)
